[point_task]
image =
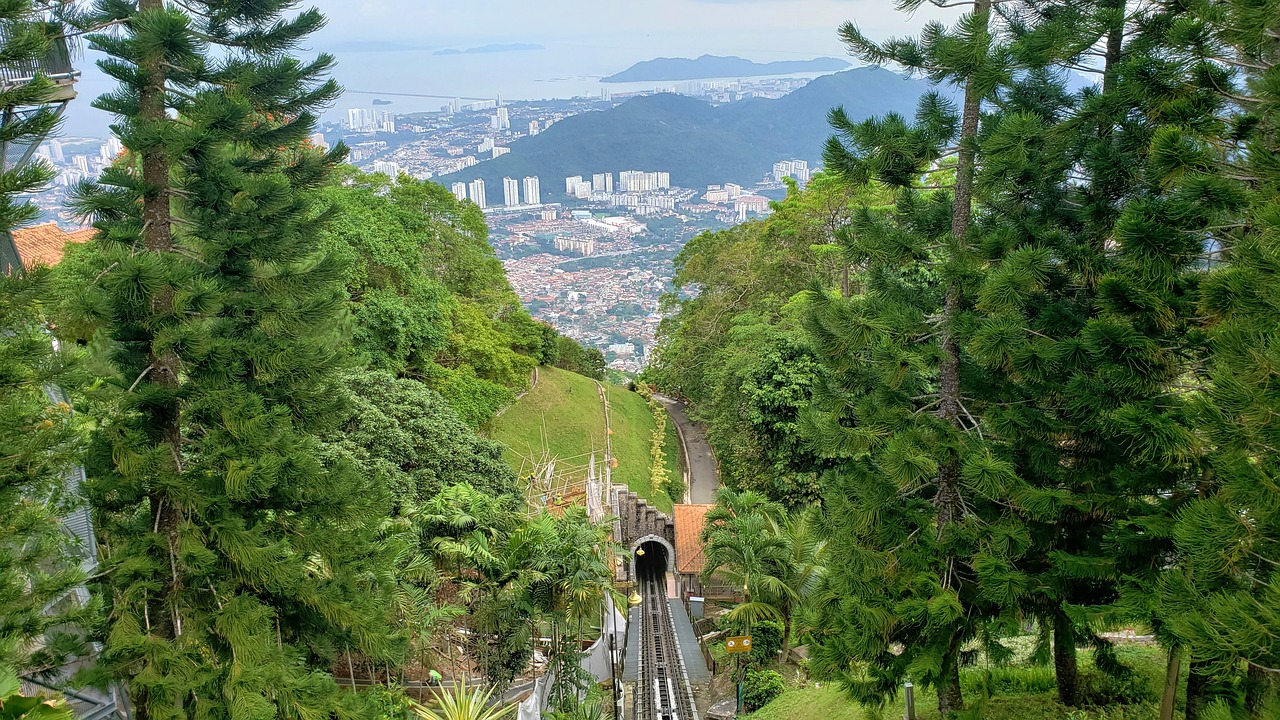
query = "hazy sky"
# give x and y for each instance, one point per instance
(791, 26)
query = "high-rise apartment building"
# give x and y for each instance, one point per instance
(460, 191)
(602, 182)
(571, 184)
(390, 169)
(510, 192)
(499, 151)
(359, 119)
(504, 119)
(55, 151)
(486, 145)
(532, 191)
(476, 189)
(639, 181)
(318, 142)
(534, 128)
(798, 169)
(111, 149)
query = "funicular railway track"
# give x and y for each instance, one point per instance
(662, 690)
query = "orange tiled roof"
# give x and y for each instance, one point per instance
(691, 557)
(45, 244)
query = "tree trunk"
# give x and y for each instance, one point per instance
(948, 500)
(1259, 691)
(1197, 688)
(1115, 46)
(786, 636)
(157, 237)
(950, 697)
(1172, 670)
(1065, 666)
(163, 610)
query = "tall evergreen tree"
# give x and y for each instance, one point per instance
(39, 441)
(1058, 166)
(902, 397)
(1226, 605)
(1098, 209)
(240, 553)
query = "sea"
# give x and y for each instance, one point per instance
(560, 71)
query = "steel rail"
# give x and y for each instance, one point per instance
(662, 692)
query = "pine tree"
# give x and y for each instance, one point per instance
(241, 553)
(39, 439)
(908, 509)
(1226, 605)
(1052, 179)
(1099, 206)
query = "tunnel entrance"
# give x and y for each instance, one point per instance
(651, 560)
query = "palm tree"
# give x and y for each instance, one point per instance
(743, 548)
(580, 577)
(803, 568)
(776, 557)
(16, 706)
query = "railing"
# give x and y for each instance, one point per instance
(56, 64)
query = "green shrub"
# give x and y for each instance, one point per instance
(1007, 681)
(1125, 688)
(760, 687)
(766, 639)
(674, 488)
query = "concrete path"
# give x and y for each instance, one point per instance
(704, 473)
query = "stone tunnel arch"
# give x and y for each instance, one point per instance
(648, 543)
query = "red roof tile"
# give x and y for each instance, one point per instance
(45, 244)
(691, 557)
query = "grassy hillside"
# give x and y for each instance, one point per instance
(563, 415)
(632, 432)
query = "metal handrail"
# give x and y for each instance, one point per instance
(56, 64)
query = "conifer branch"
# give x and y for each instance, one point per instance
(139, 378)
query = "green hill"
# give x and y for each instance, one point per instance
(698, 143)
(563, 418)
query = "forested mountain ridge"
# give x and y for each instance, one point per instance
(699, 144)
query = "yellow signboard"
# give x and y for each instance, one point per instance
(738, 644)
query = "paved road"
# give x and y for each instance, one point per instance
(704, 475)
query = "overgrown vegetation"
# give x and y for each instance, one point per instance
(1023, 374)
(1001, 380)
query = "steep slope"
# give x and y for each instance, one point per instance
(699, 144)
(564, 417)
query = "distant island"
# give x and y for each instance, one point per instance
(513, 47)
(717, 66)
(379, 101)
